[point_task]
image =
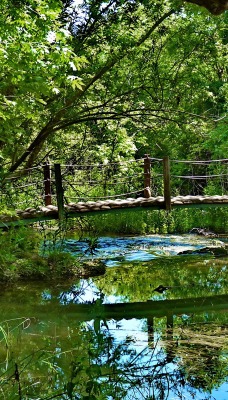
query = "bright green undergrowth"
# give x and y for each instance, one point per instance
(24, 256)
(21, 257)
(146, 222)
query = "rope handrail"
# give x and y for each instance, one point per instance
(107, 197)
(102, 165)
(51, 184)
(26, 170)
(199, 162)
(106, 182)
(194, 162)
(28, 185)
(99, 165)
(198, 176)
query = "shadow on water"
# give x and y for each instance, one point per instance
(155, 329)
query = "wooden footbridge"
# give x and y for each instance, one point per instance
(67, 191)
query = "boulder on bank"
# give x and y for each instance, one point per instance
(91, 268)
(203, 232)
(215, 251)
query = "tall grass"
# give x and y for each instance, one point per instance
(148, 222)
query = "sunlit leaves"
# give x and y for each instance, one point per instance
(35, 64)
(156, 75)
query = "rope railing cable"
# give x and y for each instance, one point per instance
(198, 176)
(200, 162)
(97, 182)
(21, 173)
(102, 165)
(108, 197)
(28, 185)
(108, 177)
(30, 188)
(197, 162)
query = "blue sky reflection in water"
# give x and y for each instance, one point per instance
(115, 250)
(144, 249)
(155, 327)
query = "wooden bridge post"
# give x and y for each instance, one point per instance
(147, 176)
(150, 331)
(59, 192)
(167, 186)
(47, 184)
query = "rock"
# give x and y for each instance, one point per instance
(216, 251)
(92, 268)
(203, 232)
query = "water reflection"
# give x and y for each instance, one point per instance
(116, 250)
(119, 336)
(106, 360)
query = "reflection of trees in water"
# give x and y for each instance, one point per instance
(86, 362)
(68, 359)
(184, 276)
(202, 353)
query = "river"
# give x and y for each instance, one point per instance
(153, 326)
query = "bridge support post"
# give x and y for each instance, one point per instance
(47, 184)
(147, 177)
(150, 331)
(59, 192)
(167, 186)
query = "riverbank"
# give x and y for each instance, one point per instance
(23, 258)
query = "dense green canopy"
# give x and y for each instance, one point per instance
(111, 79)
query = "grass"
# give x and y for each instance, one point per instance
(158, 222)
(21, 258)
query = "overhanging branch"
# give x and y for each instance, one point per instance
(35, 147)
(215, 7)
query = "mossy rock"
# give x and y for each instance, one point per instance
(92, 268)
(216, 251)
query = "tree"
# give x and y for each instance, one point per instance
(33, 66)
(101, 67)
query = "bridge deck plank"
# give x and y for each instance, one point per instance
(30, 215)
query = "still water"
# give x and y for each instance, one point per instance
(154, 326)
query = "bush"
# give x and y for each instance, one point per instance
(20, 257)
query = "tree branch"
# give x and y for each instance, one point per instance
(215, 7)
(35, 147)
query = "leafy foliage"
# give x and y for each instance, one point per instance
(21, 258)
(110, 79)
